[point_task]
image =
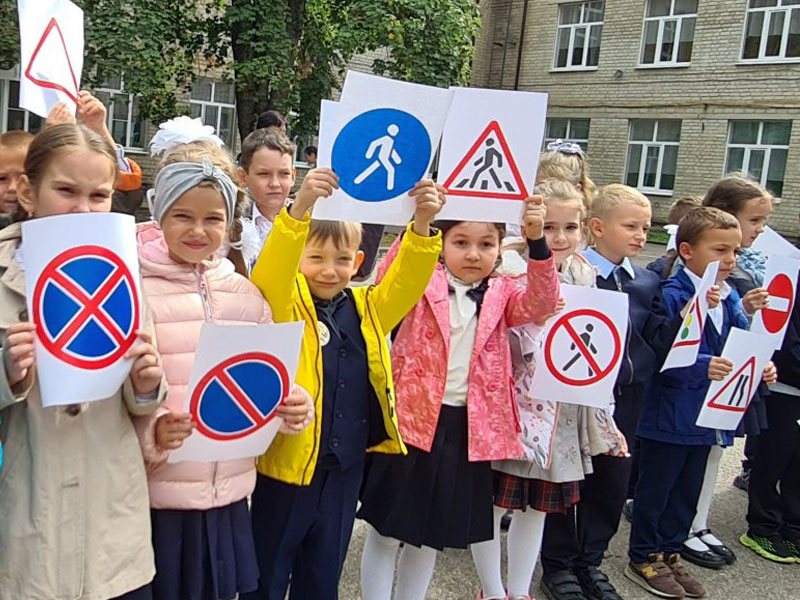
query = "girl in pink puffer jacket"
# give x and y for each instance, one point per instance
(202, 535)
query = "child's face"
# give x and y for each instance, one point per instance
(562, 228)
(471, 250)
(269, 179)
(328, 269)
(12, 165)
(622, 232)
(715, 244)
(76, 181)
(752, 218)
(194, 227)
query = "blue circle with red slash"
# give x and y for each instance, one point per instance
(239, 395)
(86, 307)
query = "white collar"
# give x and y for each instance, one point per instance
(604, 266)
(257, 213)
(724, 288)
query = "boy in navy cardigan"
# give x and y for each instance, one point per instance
(673, 450)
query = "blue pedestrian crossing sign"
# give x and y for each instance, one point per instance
(381, 154)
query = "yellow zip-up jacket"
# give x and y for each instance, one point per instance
(293, 458)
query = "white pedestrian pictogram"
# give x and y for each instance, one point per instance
(384, 145)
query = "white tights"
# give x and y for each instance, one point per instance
(700, 521)
(414, 569)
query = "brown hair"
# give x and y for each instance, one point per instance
(270, 138)
(16, 139)
(732, 192)
(695, 223)
(446, 225)
(343, 234)
(195, 152)
(571, 168)
(681, 207)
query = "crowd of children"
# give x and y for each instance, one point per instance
(413, 407)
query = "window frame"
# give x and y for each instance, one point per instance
(572, 29)
(759, 145)
(204, 104)
(654, 142)
(583, 143)
(129, 121)
(768, 11)
(6, 77)
(672, 63)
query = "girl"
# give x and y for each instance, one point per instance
(73, 493)
(452, 367)
(201, 526)
(566, 161)
(558, 439)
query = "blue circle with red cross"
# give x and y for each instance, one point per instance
(86, 307)
(239, 396)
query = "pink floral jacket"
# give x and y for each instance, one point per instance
(420, 352)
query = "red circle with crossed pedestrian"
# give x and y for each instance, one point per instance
(781, 287)
(566, 323)
(239, 395)
(86, 307)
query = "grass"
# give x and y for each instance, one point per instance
(657, 237)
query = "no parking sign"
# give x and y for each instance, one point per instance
(82, 285)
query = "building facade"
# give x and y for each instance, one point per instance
(664, 95)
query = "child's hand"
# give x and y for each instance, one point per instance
(93, 114)
(533, 217)
(430, 197)
(172, 429)
(559, 307)
(319, 183)
(622, 448)
(146, 372)
(59, 115)
(714, 296)
(719, 368)
(18, 352)
(755, 299)
(770, 374)
(296, 410)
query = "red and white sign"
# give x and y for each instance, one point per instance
(582, 348)
(51, 54)
(780, 279)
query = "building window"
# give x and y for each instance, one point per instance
(580, 27)
(759, 148)
(772, 31)
(215, 103)
(569, 130)
(12, 116)
(124, 117)
(653, 155)
(668, 32)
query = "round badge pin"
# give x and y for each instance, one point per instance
(324, 334)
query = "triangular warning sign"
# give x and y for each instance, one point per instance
(692, 327)
(54, 69)
(488, 169)
(736, 398)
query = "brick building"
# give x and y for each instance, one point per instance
(665, 95)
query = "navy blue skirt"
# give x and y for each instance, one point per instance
(204, 554)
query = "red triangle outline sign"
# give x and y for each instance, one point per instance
(53, 25)
(750, 362)
(696, 310)
(494, 126)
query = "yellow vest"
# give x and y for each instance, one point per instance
(293, 458)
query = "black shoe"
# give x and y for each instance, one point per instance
(702, 558)
(720, 549)
(627, 510)
(562, 585)
(505, 521)
(595, 584)
(742, 480)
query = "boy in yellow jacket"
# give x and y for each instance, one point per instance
(305, 499)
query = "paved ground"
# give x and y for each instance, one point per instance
(750, 578)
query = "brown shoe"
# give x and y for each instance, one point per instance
(655, 576)
(692, 587)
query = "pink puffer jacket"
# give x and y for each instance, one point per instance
(181, 299)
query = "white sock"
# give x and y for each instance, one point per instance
(700, 521)
(696, 544)
(377, 566)
(486, 557)
(414, 572)
(524, 543)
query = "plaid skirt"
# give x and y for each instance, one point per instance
(519, 493)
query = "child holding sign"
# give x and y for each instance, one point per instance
(557, 454)
(73, 496)
(305, 499)
(456, 409)
(202, 537)
(674, 450)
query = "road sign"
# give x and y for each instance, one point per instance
(239, 396)
(738, 389)
(52, 46)
(488, 169)
(780, 279)
(86, 307)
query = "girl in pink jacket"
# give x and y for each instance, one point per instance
(202, 535)
(451, 364)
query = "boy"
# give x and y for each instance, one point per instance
(305, 499)
(13, 150)
(674, 451)
(572, 552)
(679, 208)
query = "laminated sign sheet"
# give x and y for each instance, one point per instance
(780, 279)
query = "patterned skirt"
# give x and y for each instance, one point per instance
(519, 493)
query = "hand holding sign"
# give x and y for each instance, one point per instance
(172, 429)
(719, 368)
(18, 352)
(533, 217)
(430, 199)
(146, 372)
(318, 183)
(755, 300)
